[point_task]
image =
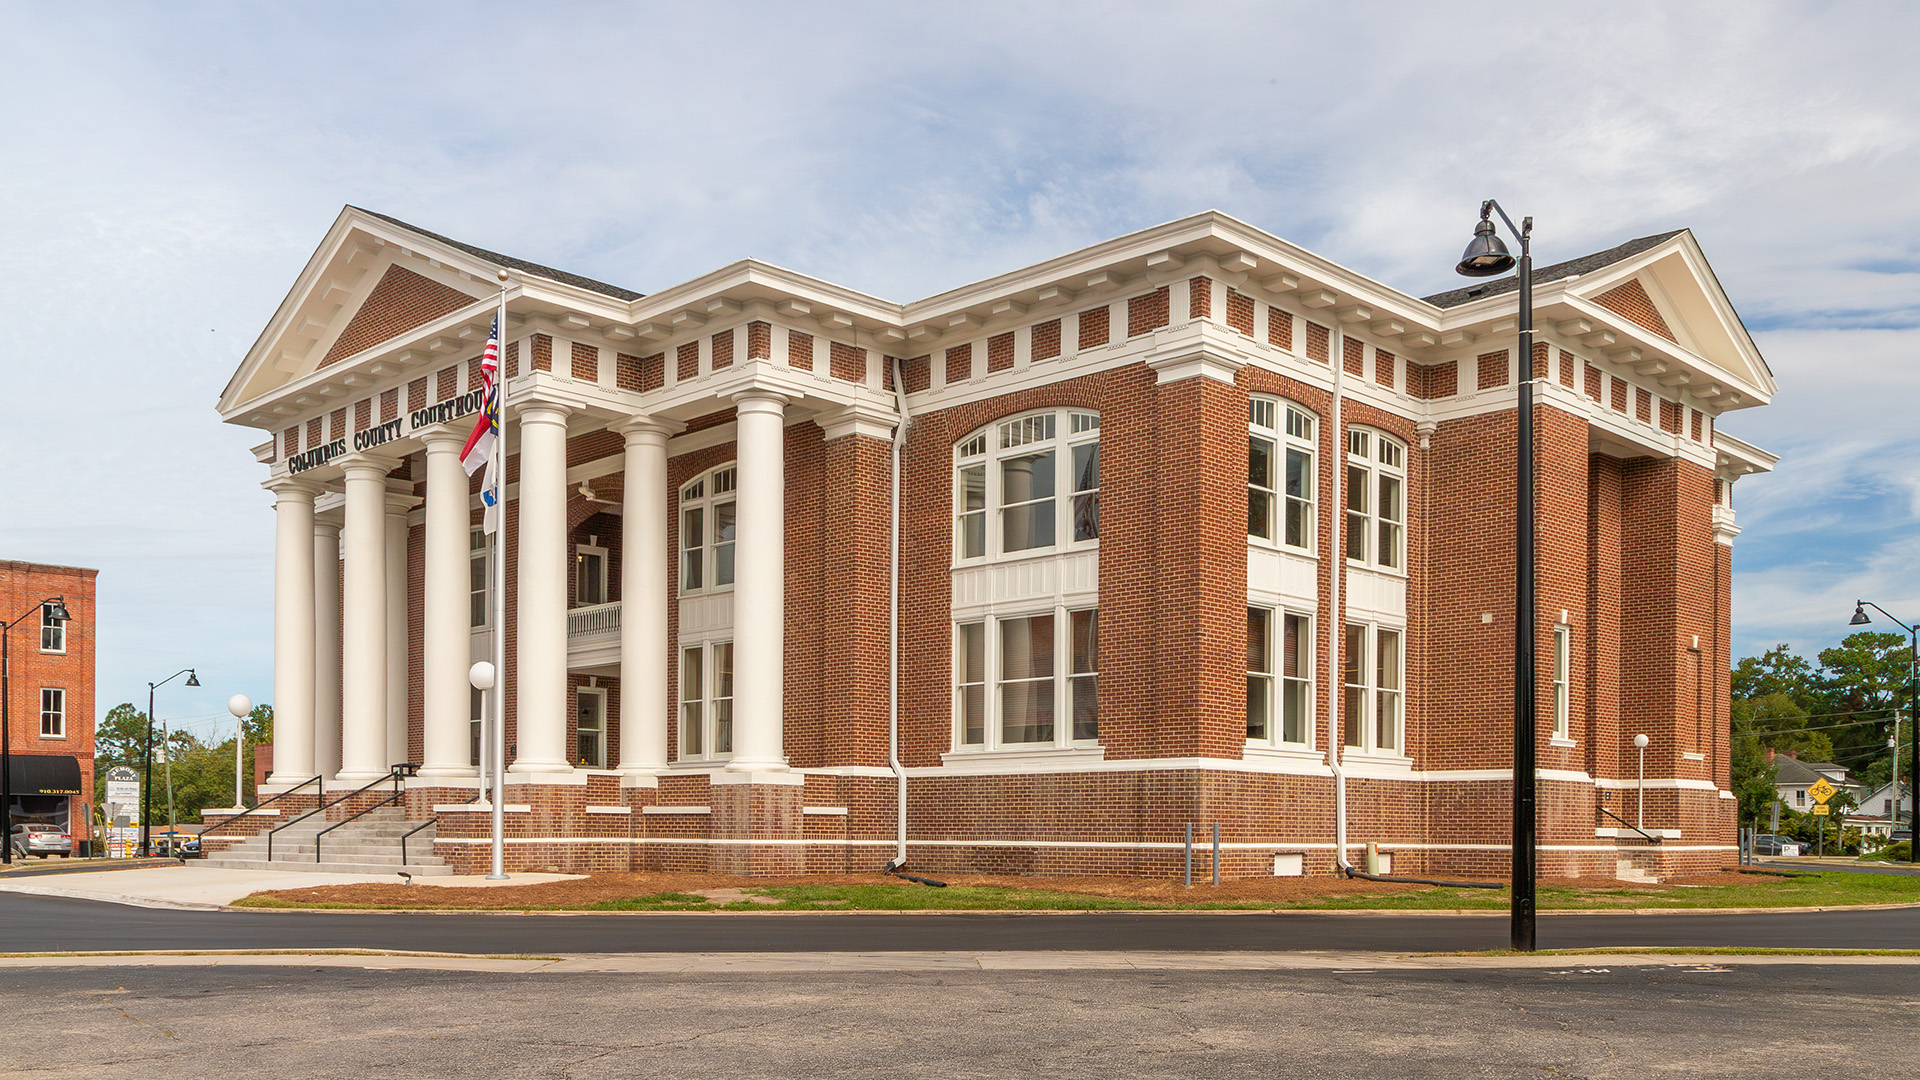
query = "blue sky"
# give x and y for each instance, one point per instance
(169, 168)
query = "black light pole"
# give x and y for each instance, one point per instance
(58, 612)
(146, 784)
(1486, 256)
(1913, 704)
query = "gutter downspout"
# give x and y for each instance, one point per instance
(1337, 562)
(893, 629)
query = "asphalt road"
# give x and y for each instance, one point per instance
(1585, 1020)
(43, 923)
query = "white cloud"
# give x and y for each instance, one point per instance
(177, 166)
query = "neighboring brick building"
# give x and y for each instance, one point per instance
(1125, 477)
(50, 704)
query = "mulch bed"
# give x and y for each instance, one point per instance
(601, 887)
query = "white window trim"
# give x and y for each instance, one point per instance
(1562, 736)
(59, 625)
(1063, 678)
(1276, 678)
(1283, 441)
(1375, 468)
(482, 554)
(709, 727)
(580, 553)
(706, 501)
(1369, 747)
(60, 713)
(601, 693)
(1063, 442)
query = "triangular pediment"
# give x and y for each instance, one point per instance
(369, 282)
(1671, 294)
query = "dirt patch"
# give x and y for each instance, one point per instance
(1723, 877)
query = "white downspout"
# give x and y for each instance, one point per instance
(1335, 624)
(893, 629)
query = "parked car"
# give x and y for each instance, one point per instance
(33, 838)
(1769, 844)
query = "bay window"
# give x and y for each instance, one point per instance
(1373, 684)
(707, 531)
(1376, 499)
(1031, 483)
(1280, 473)
(1017, 676)
(1279, 677)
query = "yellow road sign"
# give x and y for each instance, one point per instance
(1821, 790)
(1822, 808)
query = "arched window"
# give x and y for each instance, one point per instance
(706, 531)
(1376, 498)
(1280, 473)
(1028, 484)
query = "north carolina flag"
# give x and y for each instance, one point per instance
(486, 427)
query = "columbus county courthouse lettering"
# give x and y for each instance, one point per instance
(1193, 525)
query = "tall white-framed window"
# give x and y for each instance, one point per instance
(1279, 678)
(477, 579)
(1017, 676)
(589, 575)
(476, 713)
(1028, 484)
(1376, 498)
(53, 713)
(706, 701)
(53, 632)
(1280, 475)
(707, 531)
(590, 727)
(1372, 665)
(1562, 654)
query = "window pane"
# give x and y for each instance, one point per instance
(1086, 706)
(723, 544)
(1086, 516)
(973, 715)
(723, 670)
(1026, 647)
(1299, 474)
(1026, 711)
(1387, 671)
(973, 520)
(587, 589)
(1086, 467)
(692, 533)
(1260, 514)
(1387, 680)
(1357, 503)
(1259, 463)
(973, 535)
(973, 652)
(1083, 630)
(692, 692)
(723, 727)
(973, 488)
(1259, 711)
(1084, 627)
(1259, 485)
(1354, 663)
(1259, 645)
(1388, 736)
(1026, 477)
(1028, 526)
(1293, 719)
(1356, 713)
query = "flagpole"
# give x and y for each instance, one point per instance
(499, 732)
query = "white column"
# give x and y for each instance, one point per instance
(759, 585)
(326, 647)
(293, 661)
(643, 602)
(445, 613)
(398, 503)
(540, 630)
(363, 635)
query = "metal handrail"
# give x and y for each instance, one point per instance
(429, 823)
(394, 774)
(1628, 824)
(309, 780)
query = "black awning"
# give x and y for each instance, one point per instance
(45, 774)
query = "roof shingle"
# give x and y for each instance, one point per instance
(512, 263)
(1586, 264)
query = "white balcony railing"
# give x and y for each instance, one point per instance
(597, 621)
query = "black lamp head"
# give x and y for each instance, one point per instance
(1859, 615)
(58, 609)
(1486, 255)
(192, 679)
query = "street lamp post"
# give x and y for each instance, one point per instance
(239, 705)
(1913, 705)
(1640, 803)
(1486, 256)
(146, 761)
(53, 607)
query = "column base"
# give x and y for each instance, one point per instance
(770, 765)
(448, 772)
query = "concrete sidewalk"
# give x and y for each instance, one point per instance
(210, 887)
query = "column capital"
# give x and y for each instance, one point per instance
(289, 489)
(401, 502)
(328, 522)
(543, 412)
(639, 429)
(761, 401)
(358, 466)
(443, 438)
(860, 417)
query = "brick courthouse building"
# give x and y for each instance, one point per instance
(1194, 526)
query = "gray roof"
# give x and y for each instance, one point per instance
(512, 263)
(1586, 264)
(1793, 772)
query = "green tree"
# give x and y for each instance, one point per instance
(1753, 779)
(1778, 671)
(117, 738)
(258, 725)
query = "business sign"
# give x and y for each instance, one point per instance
(123, 792)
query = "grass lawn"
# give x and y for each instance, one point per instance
(686, 892)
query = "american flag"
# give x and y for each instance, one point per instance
(486, 431)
